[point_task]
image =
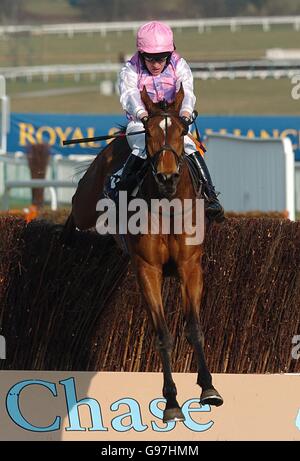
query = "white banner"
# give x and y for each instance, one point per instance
(85, 406)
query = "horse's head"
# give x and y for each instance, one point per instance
(164, 141)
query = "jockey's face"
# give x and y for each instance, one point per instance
(155, 67)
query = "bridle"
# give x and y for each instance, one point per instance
(154, 159)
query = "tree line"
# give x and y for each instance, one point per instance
(14, 11)
(113, 10)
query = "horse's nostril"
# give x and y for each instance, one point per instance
(161, 177)
(164, 177)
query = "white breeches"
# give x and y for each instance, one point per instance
(137, 142)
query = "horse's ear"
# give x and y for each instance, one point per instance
(149, 104)
(179, 98)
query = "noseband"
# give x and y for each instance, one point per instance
(154, 159)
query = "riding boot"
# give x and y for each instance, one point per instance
(213, 208)
(129, 179)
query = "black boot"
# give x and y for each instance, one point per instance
(129, 179)
(213, 208)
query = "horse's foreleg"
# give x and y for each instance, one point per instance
(67, 236)
(150, 281)
(192, 288)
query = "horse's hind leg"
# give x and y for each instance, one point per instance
(192, 287)
(150, 281)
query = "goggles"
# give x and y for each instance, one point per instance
(159, 59)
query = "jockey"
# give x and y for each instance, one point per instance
(161, 70)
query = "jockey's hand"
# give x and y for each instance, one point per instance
(144, 120)
(186, 114)
(186, 121)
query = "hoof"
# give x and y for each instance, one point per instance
(211, 397)
(173, 414)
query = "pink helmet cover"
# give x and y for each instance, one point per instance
(155, 37)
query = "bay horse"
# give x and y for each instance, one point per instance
(167, 176)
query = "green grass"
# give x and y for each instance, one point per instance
(213, 97)
(242, 96)
(219, 44)
(21, 85)
(89, 102)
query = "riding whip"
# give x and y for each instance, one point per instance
(101, 138)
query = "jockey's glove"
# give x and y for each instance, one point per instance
(144, 120)
(186, 121)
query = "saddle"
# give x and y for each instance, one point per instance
(111, 185)
(195, 174)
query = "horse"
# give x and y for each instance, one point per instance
(168, 176)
